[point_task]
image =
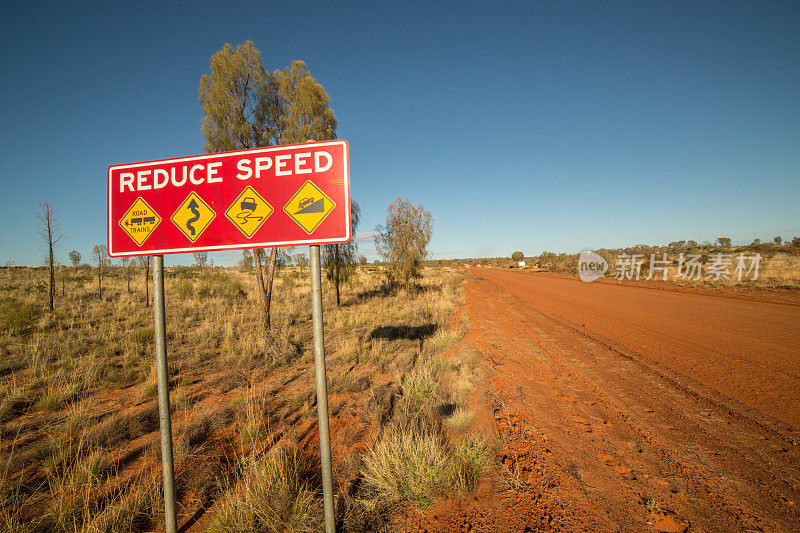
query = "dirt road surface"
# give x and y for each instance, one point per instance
(621, 408)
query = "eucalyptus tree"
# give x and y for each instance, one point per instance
(403, 241)
(75, 258)
(245, 106)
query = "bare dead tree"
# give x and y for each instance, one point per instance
(48, 227)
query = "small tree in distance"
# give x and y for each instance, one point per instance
(404, 240)
(126, 266)
(246, 262)
(301, 260)
(777, 240)
(724, 242)
(517, 256)
(201, 258)
(75, 258)
(101, 256)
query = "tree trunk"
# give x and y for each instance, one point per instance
(99, 280)
(270, 277)
(336, 271)
(262, 293)
(147, 285)
(52, 271)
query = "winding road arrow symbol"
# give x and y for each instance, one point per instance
(193, 208)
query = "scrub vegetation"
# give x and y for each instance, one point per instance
(79, 432)
(779, 263)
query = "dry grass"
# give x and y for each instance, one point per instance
(412, 467)
(271, 494)
(78, 415)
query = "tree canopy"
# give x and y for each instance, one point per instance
(245, 106)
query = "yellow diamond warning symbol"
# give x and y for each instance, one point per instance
(193, 216)
(140, 221)
(249, 211)
(309, 207)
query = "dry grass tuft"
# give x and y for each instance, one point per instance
(407, 467)
(270, 494)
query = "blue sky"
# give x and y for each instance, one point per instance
(533, 126)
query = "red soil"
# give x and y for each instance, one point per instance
(622, 408)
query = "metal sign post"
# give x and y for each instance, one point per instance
(163, 394)
(322, 387)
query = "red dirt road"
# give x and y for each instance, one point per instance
(746, 350)
(622, 408)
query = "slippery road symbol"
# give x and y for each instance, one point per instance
(248, 205)
(196, 216)
(249, 211)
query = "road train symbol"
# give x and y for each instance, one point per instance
(140, 220)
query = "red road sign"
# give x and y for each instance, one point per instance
(276, 196)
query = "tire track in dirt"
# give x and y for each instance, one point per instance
(622, 443)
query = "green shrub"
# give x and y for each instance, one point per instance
(408, 467)
(17, 317)
(290, 277)
(441, 341)
(460, 420)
